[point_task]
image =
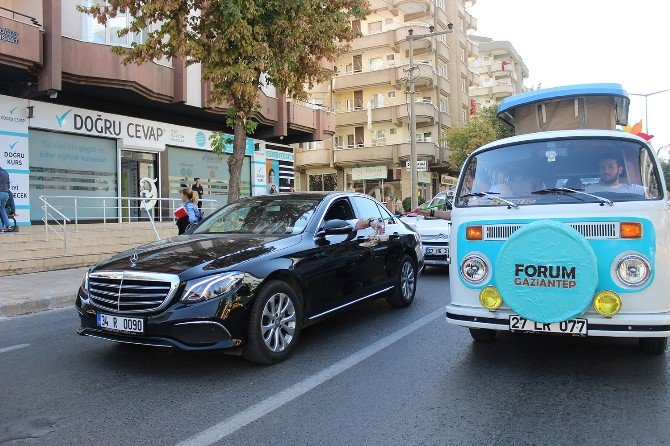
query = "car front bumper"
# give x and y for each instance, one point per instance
(188, 327)
(619, 326)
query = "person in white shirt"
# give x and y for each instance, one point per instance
(611, 169)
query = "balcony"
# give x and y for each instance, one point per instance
(442, 17)
(23, 46)
(470, 22)
(391, 152)
(472, 50)
(445, 86)
(503, 90)
(446, 119)
(94, 64)
(412, 6)
(395, 113)
(473, 79)
(376, 40)
(365, 79)
(313, 158)
(310, 118)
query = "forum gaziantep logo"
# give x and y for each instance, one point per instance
(545, 276)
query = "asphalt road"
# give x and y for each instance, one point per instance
(368, 376)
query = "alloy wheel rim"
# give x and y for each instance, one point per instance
(407, 280)
(278, 322)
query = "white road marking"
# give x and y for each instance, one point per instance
(253, 413)
(13, 347)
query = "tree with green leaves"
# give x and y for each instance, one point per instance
(665, 167)
(482, 129)
(241, 45)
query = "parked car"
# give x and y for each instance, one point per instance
(434, 232)
(252, 275)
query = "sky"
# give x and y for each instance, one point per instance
(581, 41)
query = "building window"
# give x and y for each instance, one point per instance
(349, 68)
(441, 38)
(109, 33)
(461, 55)
(379, 137)
(463, 116)
(393, 131)
(443, 105)
(463, 86)
(339, 143)
(376, 64)
(350, 104)
(374, 27)
(442, 70)
(390, 57)
(439, 3)
(389, 21)
(350, 141)
(390, 94)
(376, 100)
(323, 182)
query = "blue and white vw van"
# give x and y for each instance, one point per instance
(565, 227)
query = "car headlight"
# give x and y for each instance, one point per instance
(633, 270)
(210, 287)
(474, 269)
(84, 287)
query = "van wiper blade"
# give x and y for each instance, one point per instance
(510, 204)
(565, 190)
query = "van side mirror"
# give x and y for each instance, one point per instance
(335, 227)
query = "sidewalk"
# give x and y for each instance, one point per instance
(35, 292)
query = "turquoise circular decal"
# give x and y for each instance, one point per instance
(547, 272)
(200, 139)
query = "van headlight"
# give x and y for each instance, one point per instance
(210, 287)
(633, 270)
(84, 287)
(474, 269)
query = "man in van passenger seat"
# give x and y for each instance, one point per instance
(611, 169)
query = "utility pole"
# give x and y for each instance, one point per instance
(412, 118)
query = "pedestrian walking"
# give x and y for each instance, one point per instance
(197, 187)
(192, 214)
(4, 199)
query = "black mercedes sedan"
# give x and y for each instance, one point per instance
(253, 274)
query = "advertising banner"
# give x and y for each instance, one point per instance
(14, 156)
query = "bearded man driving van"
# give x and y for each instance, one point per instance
(611, 168)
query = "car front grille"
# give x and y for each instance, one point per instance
(131, 292)
(590, 230)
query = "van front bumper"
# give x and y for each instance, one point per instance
(620, 326)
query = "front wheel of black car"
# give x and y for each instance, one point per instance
(274, 324)
(402, 294)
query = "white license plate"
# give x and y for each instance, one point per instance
(573, 326)
(120, 323)
(437, 251)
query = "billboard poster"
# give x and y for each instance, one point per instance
(272, 176)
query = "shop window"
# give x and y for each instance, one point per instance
(323, 182)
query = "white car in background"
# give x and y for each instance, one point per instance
(434, 232)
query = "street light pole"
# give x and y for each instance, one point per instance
(414, 180)
(646, 109)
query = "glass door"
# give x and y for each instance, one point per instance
(139, 172)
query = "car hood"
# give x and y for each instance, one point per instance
(206, 252)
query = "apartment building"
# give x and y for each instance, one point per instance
(371, 144)
(501, 72)
(74, 121)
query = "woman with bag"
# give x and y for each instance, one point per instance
(188, 213)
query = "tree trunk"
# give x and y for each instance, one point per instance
(236, 159)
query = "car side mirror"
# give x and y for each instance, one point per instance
(335, 227)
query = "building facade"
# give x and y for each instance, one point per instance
(501, 72)
(371, 143)
(76, 122)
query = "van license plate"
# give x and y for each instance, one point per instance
(120, 323)
(573, 326)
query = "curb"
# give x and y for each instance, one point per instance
(39, 305)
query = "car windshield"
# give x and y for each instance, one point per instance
(560, 171)
(263, 215)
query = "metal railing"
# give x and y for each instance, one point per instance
(10, 14)
(48, 208)
(96, 209)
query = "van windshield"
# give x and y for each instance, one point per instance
(560, 171)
